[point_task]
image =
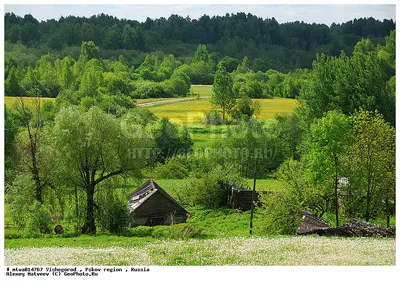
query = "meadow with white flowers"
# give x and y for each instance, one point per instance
(259, 251)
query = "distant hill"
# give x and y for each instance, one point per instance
(267, 43)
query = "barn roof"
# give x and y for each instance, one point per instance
(310, 222)
(145, 191)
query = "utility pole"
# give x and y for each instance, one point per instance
(253, 196)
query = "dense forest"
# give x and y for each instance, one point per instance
(267, 43)
(62, 156)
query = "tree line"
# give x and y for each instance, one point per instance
(267, 43)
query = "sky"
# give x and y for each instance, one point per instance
(326, 14)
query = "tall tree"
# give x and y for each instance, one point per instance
(92, 147)
(201, 54)
(330, 137)
(222, 95)
(373, 153)
(31, 157)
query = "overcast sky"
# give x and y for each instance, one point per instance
(326, 14)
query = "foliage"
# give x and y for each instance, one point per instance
(176, 167)
(282, 46)
(113, 213)
(371, 163)
(330, 137)
(245, 108)
(223, 96)
(92, 147)
(212, 117)
(247, 142)
(211, 189)
(39, 219)
(291, 131)
(282, 210)
(365, 75)
(10, 133)
(170, 139)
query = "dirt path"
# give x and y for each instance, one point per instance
(146, 104)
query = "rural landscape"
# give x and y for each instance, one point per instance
(223, 140)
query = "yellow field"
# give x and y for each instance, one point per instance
(10, 101)
(185, 112)
(270, 107)
(192, 111)
(202, 90)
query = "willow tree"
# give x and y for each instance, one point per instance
(92, 147)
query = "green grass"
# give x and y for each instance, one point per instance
(29, 102)
(83, 241)
(202, 90)
(271, 185)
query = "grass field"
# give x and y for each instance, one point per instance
(188, 112)
(261, 251)
(202, 90)
(10, 101)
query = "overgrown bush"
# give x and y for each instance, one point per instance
(283, 209)
(113, 215)
(282, 213)
(176, 167)
(39, 220)
(212, 189)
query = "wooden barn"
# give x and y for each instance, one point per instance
(150, 205)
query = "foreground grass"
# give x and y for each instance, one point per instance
(262, 251)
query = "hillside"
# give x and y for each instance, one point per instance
(268, 44)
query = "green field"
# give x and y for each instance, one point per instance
(10, 101)
(202, 90)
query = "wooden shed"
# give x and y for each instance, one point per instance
(241, 198)
(150, 205)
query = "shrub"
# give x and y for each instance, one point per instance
(176, 167)
(141, 231)
(282, 213)
(212, 189)
(113, 215)
(39, 220)
(149, 89)
(212, 117)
